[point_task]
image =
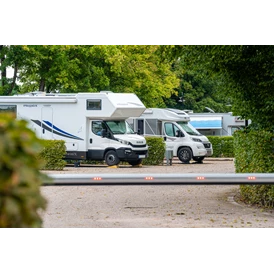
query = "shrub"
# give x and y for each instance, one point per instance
(222, 146)
(254, 154)
(53, 153)
(20, 178)
(156, 151)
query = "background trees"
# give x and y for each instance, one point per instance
(215, 77)
(157, 74)
(139, 69)
(248, 72)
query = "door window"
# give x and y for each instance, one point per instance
(171, 129)
(97, 127)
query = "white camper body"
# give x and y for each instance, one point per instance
(180, 136)
(93, 125)
(218, 124)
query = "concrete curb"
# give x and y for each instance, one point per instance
(218, 159)
(175, 160)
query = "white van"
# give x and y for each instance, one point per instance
(180, 136)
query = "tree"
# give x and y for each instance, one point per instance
(14, 57)
(198, 89)
(138, 69)
(249, 71)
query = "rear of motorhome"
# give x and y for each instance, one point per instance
(217, 124)
(93, 125)
(180, 136)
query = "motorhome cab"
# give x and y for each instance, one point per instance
(93, 125)
(180, 136)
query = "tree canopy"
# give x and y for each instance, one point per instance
(185, 77)
(249, 73)
(138, 69)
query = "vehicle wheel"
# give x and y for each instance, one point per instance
(185, 154)
(199, 159)
(111, 158)
(135, 162)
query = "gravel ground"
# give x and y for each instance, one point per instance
(151, 206)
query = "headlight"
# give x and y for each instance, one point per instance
(196, 140)
(123, 141)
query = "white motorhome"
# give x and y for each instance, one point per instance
(93, 125)
(180, 136)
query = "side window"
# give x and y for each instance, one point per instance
(177, 132)
(95, 104)
(169, 129)
(97, 127)
(8, 108)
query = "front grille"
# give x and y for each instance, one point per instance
(140, 152)
(138, 145)
(207, 145)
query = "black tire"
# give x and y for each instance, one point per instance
(111, 158)
(135, 162)
(185, 154)
(199, 159)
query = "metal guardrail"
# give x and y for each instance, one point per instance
(161, 179)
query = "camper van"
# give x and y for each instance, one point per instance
(93, 125)
(180, 136)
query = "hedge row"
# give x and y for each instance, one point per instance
(254, 154)
(222, 146)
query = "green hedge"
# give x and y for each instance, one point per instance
(222, 146)
(254, 151)
(254, 154)
(156, 151)
(52, 154)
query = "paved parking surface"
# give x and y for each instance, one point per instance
(151, 206)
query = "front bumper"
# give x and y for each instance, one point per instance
(127, 154)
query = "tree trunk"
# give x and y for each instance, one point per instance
(13, 80)
(42, 85)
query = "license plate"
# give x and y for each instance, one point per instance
(142, 156)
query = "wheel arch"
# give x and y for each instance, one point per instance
(108, 149)
(184, 147)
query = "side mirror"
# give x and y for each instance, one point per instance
(179, 134)
(104, 133)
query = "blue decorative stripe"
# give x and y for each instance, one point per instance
(51, 128)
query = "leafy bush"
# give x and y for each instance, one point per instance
(20, 178)
(254, 154)
(53, 153)
(156, 151)
(222, 146)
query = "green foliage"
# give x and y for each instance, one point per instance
(139, 69)
(20, 178)
(262, 195)
(254, 151)
(222, 146)
(156, 151)
(254, 154)
(53, 153)
(249, 74)
(157, 74)
(198, 89)
(211, 76)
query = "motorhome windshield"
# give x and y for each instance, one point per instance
(189, 128)
(119, 127)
